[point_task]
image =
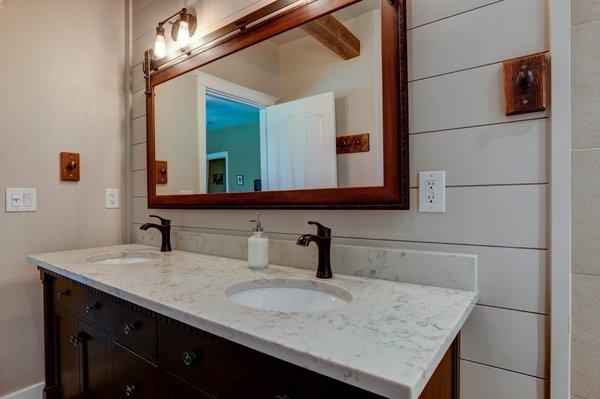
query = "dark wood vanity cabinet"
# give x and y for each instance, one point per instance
(98, 346)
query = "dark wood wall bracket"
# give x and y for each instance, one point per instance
(353, 143)
(162, 172)
(69, 166)
(525, 84)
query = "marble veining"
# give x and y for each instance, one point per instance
(389, 339)
(447, 270)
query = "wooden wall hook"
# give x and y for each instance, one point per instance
(69, 166)
(525, 84)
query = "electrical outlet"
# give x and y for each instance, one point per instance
(432, 191)
(112, 198)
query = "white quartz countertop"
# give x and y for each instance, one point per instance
(389, 339)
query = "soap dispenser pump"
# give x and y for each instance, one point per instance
(258, 246)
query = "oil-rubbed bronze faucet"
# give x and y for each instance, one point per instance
(323, 241)
(165, 230)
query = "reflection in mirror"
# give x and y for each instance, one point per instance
(267, 117)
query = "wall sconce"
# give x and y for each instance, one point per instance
(181, 31)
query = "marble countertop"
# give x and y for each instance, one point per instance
(389, 339)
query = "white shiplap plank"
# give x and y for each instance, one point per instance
(147, 19)
(138, 157)
(511, 278)
(138, 107)
(478, 381)
(140, 45)
(137, 5)
(137, 78)
(468, 98)
(138, 182)
(506, 339)
(512, 216)
(207, 13)
(138, 130)
(420, 12)
(498, 154)
(503, 30)
(211, 16)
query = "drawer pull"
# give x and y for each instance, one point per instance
(62, 293)
(129, 327)
(89, 308)
(282, 397)
(129, 390)
(190, 357)
(75, 340)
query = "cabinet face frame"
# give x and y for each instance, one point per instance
(394, 194)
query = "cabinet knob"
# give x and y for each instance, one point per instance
(129, 327)
(75, 339)
(63, 293)
(129, 390)
(189, 358)
(89, 308)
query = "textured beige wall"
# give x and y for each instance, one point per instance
(585, 345)
(61, 89)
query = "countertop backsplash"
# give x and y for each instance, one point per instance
(449, 270)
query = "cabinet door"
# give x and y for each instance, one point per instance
(172, 387)
(134, 377)
(67, 349)
(96, 362)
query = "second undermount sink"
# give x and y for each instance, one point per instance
(123, 257)
(288, 295)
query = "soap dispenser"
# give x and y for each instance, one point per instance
(258, 246)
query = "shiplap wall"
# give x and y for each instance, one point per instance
(497, 196)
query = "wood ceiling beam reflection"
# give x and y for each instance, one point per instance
(334, 35)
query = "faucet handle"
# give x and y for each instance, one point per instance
(322, 231)
(163, 221)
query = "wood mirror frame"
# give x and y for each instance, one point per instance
(394, 194)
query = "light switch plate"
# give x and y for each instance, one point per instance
(432, 191)
(21, 200)
(112, 198)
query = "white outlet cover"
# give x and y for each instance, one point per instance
(112, 198)
(432, 191)
(21, 200)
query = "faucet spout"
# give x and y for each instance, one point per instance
(323, 242)
(305, 239)
(165, 231)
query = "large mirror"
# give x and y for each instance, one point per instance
(286, 114)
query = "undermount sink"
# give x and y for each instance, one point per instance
(124, 257)
(288, 295)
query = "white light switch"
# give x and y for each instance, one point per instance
(112, 198)
(21, 200)
(432, 191)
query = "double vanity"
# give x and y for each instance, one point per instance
(130, 321)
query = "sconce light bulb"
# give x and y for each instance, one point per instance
(160, 45)
(183, 36)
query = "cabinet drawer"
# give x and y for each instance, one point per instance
(230, 370)
(134, 329)
(133, 377)
(68, 294)
(173, 387)
(90, 305)
(218, 366)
